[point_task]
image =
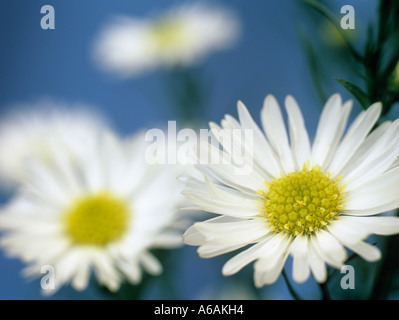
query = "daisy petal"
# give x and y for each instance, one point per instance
(329, 249)
(330, 129)
(229, 236)
(375, 193)
(379, 139)
(151, 264)
(242, 259)
(347, 230)
(365, 250)
(298, 135)
(317, 265)
(81, 279)
(367, 171)
(263, 151)
(270, 264)
(271, 274)
(355, 136)
(274, 126)
(374, 225)
(221, 163)
(299, 252)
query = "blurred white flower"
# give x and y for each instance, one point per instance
(181, 36)
(94, 212)
(34, 129)
(308, 201)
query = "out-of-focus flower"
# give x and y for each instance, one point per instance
(394, 79)
(33, 130)
(96, 212)
(308, 201)
(334, 38)
(179, 37)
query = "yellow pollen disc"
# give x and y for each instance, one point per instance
(97, 219)
(302, 202)
(167, 33)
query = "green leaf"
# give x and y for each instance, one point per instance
(358, 93)
(314, 64)
(333, 19)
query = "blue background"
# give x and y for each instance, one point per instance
(268, 58)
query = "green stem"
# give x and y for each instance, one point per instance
(185, 89)
(294, 294)
(324, 291)
(387, 270)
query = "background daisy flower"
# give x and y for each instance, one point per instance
(310, 201)
(35, 129)
(98, 212)
(182, 36)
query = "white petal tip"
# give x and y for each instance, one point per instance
(241, 106)
(269, 98)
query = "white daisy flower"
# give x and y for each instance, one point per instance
(182, 36)
(34, 129)
(301, 199)
(99, 212)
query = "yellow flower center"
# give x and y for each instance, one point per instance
(97, 219)
(167, 33)
(302, 202)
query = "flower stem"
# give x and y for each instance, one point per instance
(294, 294)
(186, 91)
(324, 290)
(387, 270)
